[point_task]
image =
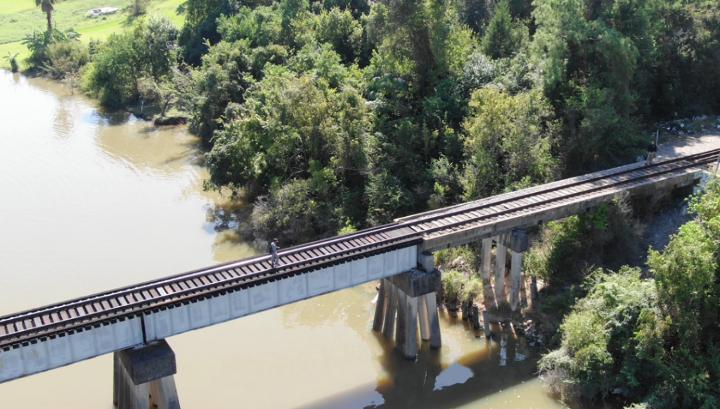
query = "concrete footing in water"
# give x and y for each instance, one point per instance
(407, 302)
(143, 377)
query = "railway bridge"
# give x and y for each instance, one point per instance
(133, 322)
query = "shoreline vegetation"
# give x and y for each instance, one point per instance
(334, 115)
(18, 18)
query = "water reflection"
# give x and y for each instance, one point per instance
(436, 383)
(452, 375)
(63, 120)
(466, 369)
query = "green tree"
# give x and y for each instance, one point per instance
(474, 13)
(296, 127)
(357, 7)
(500, 39)
(140, 7)
(293, 213)
(154, 43)
(222, 79)
(413, 82)
(126, 59)
(260, 26)
(200, 28)
(589, 75)
(47, 7)
(685, 64)
(342, 31)
(114, 73)
(508, 142)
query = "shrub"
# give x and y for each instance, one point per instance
(292, 213)
(471, 289)
(461, 258)
(12, 59)
(126, 59)
(113, 77)
(608, 235)
(452, 285)
(65, 59)
(604, 345)
(39, 44)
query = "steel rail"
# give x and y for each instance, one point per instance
(551, 187)
(185, 296)
(545, 202)
(294, 267)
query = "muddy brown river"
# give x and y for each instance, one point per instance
(92, 200)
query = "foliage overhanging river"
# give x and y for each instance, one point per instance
(92, 201)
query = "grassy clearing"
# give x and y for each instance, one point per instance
(20, 17)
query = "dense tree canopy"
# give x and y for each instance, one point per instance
(454, 100)
(442, 100)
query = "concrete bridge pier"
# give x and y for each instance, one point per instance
(143, 377)
(485, 272)
(407, 302)
(500, 266)
(517, 242)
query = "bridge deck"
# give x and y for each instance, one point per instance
(445, 227)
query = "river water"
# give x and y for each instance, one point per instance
(90, 201)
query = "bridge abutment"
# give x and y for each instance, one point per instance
(407, 302)
(143, 377)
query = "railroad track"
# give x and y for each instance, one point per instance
(123, 303)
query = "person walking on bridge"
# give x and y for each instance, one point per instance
(652, 150)
(274, 247)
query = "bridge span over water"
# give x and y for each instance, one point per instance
(61, 334)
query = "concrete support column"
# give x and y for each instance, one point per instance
(533, 292)
(426, 260)
(485, 272)
(410, 347)
(518, 243)
(433, 320)
(410, 297)
(379, 307)
(516, 260)
(486, 324)
(163, 394)
(423, 318)
(500, 260)
(143, 378)
(389, 324)
(523, 292)
(400, 333)
(486, 264)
